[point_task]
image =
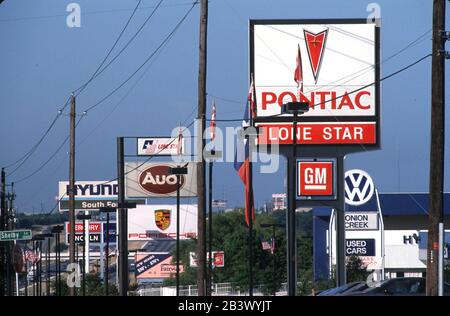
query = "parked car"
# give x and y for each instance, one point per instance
(398, 287)
(346, 288)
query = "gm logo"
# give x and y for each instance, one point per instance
(359, 187)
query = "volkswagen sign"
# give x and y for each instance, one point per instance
(359, 187)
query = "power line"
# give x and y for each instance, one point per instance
(28, 154)
(146, 61)
(49, 159)
(80, 89)
(353, 91)
(41, 17)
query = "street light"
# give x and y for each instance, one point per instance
(84, 218)
(47, 259)
(37, 243)
(295, 108)
(107, 210)
(178, 171)
(273, 245)
(57, 229)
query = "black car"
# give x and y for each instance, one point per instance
(343, 289)
(398, 287)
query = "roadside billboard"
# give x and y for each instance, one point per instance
(155, 266)
(144, 180)
(159, 146)
(158, 222)
(90, 195)
(332, 64)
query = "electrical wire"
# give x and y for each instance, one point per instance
(350, 92)
(146, 61)
(81, 88)
(49, 159)
(27, 155)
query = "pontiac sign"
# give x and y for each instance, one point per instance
(331, 64)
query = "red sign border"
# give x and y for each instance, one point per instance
(333, 196)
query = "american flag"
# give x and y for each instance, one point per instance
(31, 256)
(298, 74)
(212, 127)
(268, 245)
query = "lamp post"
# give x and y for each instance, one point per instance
(57, 229)
(37, 244)
(107, 210)
(295, 108)
(47, 259)
(273, 253)
(85, 218)
(178, 171)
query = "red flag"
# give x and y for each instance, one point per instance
(251, 98)
(298, 74)
(212, 127)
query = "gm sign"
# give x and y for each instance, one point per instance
(359, 187)
(316, 179)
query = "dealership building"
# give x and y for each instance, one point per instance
(388, 233)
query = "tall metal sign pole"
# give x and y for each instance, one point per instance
(436, 214)
(201, 188)
(72, 187)
(123, 221)
(2, 227)
(341, 119)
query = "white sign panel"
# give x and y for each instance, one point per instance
(93, 190)
(155, 222)
(159, 146)
(361, 221)
(154, 180)
(331, 64)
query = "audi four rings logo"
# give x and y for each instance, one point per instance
(359, 187)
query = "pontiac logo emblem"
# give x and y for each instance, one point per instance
(315, 43)
(162, 219)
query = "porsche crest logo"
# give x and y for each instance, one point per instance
(162, 219)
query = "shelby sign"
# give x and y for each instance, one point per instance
(331, 64)
(15, 235)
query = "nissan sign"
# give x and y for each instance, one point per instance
(155, 180)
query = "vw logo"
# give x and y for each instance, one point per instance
(359, 187)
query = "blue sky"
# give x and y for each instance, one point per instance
(42, 61)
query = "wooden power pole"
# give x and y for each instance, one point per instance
(72, 188)
(201, 188)
(436, 215)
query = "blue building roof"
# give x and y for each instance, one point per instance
(394, 204)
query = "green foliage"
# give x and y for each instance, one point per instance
(94, 287)
(356, 270)
(231, 236)
(27, 221)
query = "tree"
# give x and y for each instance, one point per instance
(356, 270)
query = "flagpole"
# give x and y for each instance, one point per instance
(250, 200)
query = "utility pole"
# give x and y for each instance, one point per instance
(123, 221)
(72, 188)
(436, 215)
(201, 188)
(2, 227)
